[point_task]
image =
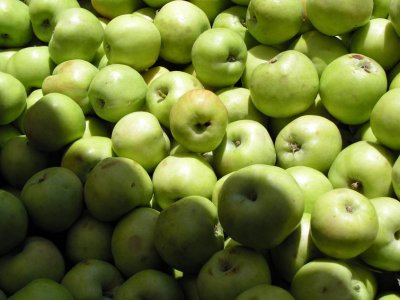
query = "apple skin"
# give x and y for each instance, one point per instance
(247, 207)
(152, 73)
(394, 14)
(285, 85)
(112, 9)
(31, 98)
(5, 55)
(381, 9)
(212, 9)
(355, 219)
(42, 289)
(13, 95)
(96, 126)
(230, 272)
(8, 132)
(388, 296)
(265, 291)
(364, 133)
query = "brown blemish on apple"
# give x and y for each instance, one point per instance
(101, 103)
(357, 56)
(273, 60)
(43, 178)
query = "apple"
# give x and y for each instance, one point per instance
(260, 205)
(7, 132)
(364, 133)
(133, 242)
(37, 257)
(77, 34)
(338, 17)
(92, 279)
(31, 98)
(198, 120)
(115, 186)
(180, 23)
(182, 174)
(246, 142)
(394, 14)
(217, 188)
(187, 233)
(53, 122)
(13, 98)
(273, 22)
(165, 90)
(308, 140)
(230, 272)
(15, 24)
(72, 78)
(117, 90)
(388, 296)
(381, 9)
(111, 9)
(96, 126)
(212, 8)
(285, 85)
(350, 86)
(265, 291)
(152, 73)
(5, 55)
(365, 167)
(219, 57)
(126, 36)
(42, 289)
(43, 15)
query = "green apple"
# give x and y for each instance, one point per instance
(230, 272)
(8, 132)
(77, 34)
(180, 175)
(273, 22)
(5, 55)
(152, 73)
(82, 155)
(388, 296)
(13, 222)
(212, 8)
(246, 142)
(217, 188)
(53, 122)
(43, 15)
(260, 205)
(364, 167)
(88, 238)
(37, 257)
(180, 23)
(394, 14)
(265, 291)
(165, 90)
(92, 279)
(187, 233)
(320, 48)
(31, 98)
(364, 133)
(285, 85)
(219, 57)
(382, 254)
(333, 279)
(115, 186)
(356, 223)
(396, 177)
(15, 24)
(96, 126)
(117, 90)
(72, 78)
(12, 98)
(381, 9)
(133, 242)
(111, 9)
(42, 289)
(350, 86)
(338, 17)
(132, 40)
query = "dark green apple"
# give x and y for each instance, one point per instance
(42, 289)
(265, 292)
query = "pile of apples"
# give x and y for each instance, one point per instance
(200, 149)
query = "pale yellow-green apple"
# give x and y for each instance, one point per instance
(321, 279)
(396, 177)
(394, 14)
(72, 78)
(180, 175)
(198, 120)
(31, 98)
(92, 279)
(139, 136)
(133, 242)
(265, 291)
(37, 257)
(350, 86)
(12, 98)
(212, 8)
(378, 40)
(111, 9)
(165, 90)
(364, 167)
(338, 17)
(217, 188)
(54, 121)
(308, 140)
(230, 272)
(381, 9)
(364, 133)
(388, 296)
(117, 90)
(320, 48)
(180, 23)
(83, 154)
(43, 15)
(42, 289)
(146, 12)
(219, 57)
(394, 81)
(187, 233)
(152, 73)
(15, 24)
(150, 284)
(132, 40)
(77, 35)
(13, 221)
(5, 55)
(127, 183)
(285, 85)
(273, 22)
(260, 205)
(356, 223)
(246, 142)
(96, 126)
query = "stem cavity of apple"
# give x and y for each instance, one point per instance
(162, 94)
(356, 185)
(294, 147)
(201, 127)
(363, 63)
